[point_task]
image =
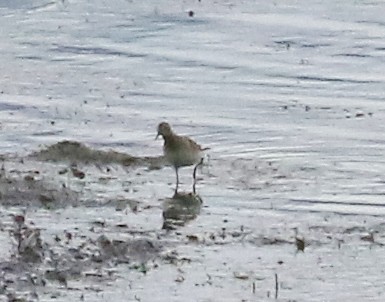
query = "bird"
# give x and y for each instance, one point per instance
(180, 151)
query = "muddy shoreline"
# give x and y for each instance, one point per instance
(81, 260)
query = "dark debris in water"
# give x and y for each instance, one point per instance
(123, 204)
(30, 191)
(34, 263)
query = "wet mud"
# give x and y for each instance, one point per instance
(82, 259)
(75, 152)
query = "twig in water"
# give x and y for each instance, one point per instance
(276, 286)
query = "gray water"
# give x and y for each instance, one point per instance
(289, 96)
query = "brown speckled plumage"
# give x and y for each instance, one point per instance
(179, 150)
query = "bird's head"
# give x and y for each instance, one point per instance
(164, 129)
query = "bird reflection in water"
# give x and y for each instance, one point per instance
(181, 208)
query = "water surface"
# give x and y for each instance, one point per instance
(288, 96)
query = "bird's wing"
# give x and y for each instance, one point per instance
(195, 145)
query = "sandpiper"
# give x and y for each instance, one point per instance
(180, 151)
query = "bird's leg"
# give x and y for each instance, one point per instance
(196, 167)
(195, 173)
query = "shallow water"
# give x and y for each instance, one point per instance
(288, 96)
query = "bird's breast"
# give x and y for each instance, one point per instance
(182, 156)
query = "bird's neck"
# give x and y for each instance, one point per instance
(169, 137)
